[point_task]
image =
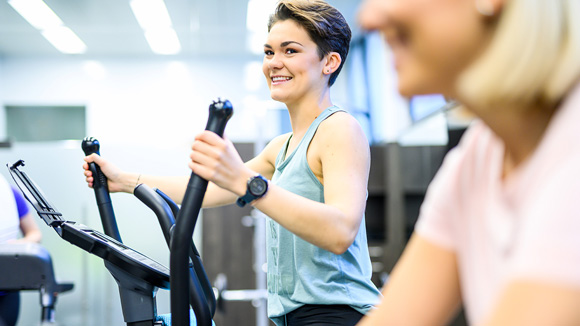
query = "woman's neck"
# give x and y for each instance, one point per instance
(304, 112)
(520, 129)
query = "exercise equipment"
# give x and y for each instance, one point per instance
(101, 188)
(223, 294)
(28, 266)
(200, 292)
(219, 114)
(138, 276)
(185, 261)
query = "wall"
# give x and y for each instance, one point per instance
(157, 101)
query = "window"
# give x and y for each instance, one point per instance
(45, 123)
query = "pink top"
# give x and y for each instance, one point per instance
(526, 226)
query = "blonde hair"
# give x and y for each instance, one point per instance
(534, 56)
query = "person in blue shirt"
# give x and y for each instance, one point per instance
(15, 218)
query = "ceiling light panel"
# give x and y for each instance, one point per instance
(41, 17)
(153, 17)
(37, 13)
(64, 40)
(151, 14)
(163, 41)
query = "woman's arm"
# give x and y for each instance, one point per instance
(526, 302)
(174, 186)
(122, 181)
(343, 154)
(423, 288)
(30, 230)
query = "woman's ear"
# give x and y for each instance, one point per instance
(489, 8)
(332, 63)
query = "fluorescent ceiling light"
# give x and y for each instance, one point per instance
(151, 14)
(37, 13)
(65, 40)
(163, 41)
(153, 17)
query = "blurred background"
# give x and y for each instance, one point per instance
(142, 85)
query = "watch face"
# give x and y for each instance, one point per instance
(258, 186)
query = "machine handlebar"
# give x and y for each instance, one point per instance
(91, 145)
(219, 114)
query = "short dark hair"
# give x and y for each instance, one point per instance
(324, 24)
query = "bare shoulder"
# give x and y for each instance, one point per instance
(341, 127)
(276, 144)
(272, 149)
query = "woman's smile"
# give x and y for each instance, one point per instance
(279, 80)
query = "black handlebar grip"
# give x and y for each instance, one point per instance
(219, 114)
(91, 145)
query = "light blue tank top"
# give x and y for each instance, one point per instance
(301, 273)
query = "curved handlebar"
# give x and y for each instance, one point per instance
(91, 145)
(219, 114)
(196, 261)
(171, 203)
(161, 209)
(200, 289)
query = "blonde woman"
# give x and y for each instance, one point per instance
(499, 231)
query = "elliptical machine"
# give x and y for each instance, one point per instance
(138, 276)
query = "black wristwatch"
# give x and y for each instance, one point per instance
(256, 188)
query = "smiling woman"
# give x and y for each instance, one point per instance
(319, 269)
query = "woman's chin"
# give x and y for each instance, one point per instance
(409, 89)
(278, 97)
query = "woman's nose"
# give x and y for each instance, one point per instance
(275, 62)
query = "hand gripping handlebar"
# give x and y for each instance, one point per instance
(90, 145)
(219, 114)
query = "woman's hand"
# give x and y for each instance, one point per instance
(116, 178)
(215, 159)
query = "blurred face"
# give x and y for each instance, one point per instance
(433, 41)
(291, 65)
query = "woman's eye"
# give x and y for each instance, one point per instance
(290, 51)
(268, 52)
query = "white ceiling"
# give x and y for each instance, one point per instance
(109, 28)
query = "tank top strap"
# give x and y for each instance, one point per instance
(284, 158)
(314, 126)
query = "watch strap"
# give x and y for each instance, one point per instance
(249, 196)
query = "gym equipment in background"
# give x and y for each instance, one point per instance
(138, 276)
(28, 266)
